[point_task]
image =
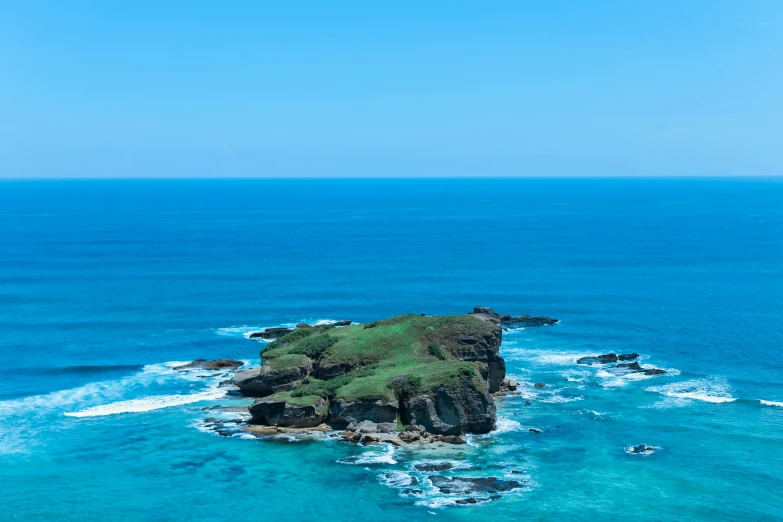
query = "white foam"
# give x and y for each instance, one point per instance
(559, 399)
(154, 402)
(238, 331)
(771, 403)
(712, 390)
(373, 457)
(103, 390)
(505, 425)
(396, 479)
(575, 375)
(630, 450)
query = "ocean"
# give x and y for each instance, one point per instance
(106, 285)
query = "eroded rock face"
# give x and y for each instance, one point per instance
(452, 411)
(484, 348)
(342, 413)
(263, 381)
(286, 414)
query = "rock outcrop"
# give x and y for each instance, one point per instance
(218, 364)
(434, 373)
(513, 320)
(306, 414)
(343, 413)
(451, 411)
(606, 358)
(273, 377)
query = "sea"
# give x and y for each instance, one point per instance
(107, 285)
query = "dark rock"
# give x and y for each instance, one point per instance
(270, 333)
(535, 430)
(642, 448)
(505, 319)
(468, 485)
(447, 411)
(342, 323)
(266, 380)
(342, 412)
(433, 466)
(469, 500)
(540, 385)
(303, 325)
(598, 359)
(635, 367)
(628, 356)
(412, 492)
(286, 414)
(371, 325)
(218, 364)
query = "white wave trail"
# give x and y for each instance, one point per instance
(714, 390)
(101, 391)
(771, 403)
(144, 404)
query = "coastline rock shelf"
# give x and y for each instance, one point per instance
(408, 378)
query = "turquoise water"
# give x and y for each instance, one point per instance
(104, 285)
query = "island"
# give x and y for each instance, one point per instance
(410, 378)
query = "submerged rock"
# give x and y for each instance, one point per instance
(473, 485)
(635, 367)
(434, 466)
(642, 449)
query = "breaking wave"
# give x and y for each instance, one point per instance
(712, 390)
(146, 404)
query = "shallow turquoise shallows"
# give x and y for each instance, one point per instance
(105, 285)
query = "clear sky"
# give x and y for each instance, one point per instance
(326, 88)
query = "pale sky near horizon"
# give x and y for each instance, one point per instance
(364, 89)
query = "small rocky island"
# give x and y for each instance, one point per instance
(410, 378)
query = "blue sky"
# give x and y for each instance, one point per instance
(363, 89)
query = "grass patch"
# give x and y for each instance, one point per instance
(397, 357)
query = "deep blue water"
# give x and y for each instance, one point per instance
(104, 283)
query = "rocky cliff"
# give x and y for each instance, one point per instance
(436, 374)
